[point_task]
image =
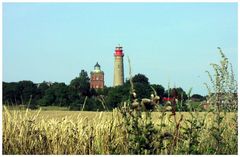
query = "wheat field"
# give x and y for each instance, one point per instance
(73, 132)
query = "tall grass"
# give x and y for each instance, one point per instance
(125, 132)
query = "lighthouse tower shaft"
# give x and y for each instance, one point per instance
(118, 67)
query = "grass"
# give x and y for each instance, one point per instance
(58, 113)
(43, 108)
(73, 132)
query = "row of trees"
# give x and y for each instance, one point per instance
(78, 95)
(51, 94)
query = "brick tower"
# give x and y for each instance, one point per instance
(118, 67)
(97, 77)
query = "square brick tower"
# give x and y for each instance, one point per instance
(97, 77)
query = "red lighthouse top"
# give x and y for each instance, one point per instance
(118, 51)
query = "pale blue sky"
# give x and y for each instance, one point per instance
(168, 42)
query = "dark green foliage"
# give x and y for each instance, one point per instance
(141, 86)
(19, 93)
(81, 84)
(86, 104)
(93, 92)
(45, 94)
(197, 97)
(41, 89)
(27, 90)
(73, 96)
(103, 91)
(49, 96)
(159, 89)
(140, 78)
(60, 94)
(76, 105)
(93, 104)
(11, 94)
(181, 94)
(116, 95)
(32, 106)
(143, 90)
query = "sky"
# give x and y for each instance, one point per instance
(172, 44)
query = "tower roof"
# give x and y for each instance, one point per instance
(97, 65)
(97, 68)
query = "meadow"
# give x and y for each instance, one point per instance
(122, 131)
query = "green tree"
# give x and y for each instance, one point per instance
(180, 95)
(93, 104)
(141, 86)
(61, 94)
(159, 89)
(28, 92)
(140, 78)
(49, 97)
(117, 94)
(11, 94)
(41, 89)
(142, 90)
(197, 97)
(93, 92)
(56, 94)
(81, 84)
(104, 91)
